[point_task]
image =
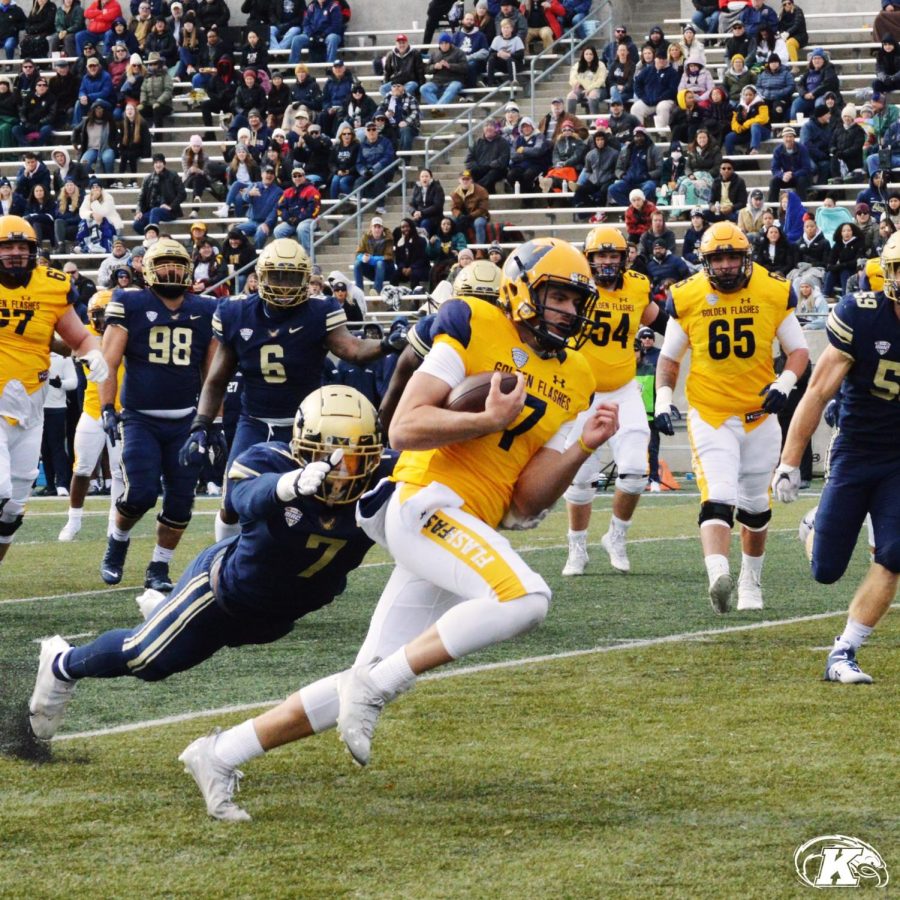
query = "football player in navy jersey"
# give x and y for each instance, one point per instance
(278, 338)
(298, 541)
(164, 335)
(863, 361)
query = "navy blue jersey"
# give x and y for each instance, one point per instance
(420, 336)
(280, 352)
(289, 559)
(166, 350)
(865, 328)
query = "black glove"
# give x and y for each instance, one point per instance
(56, 381)
(111, 421)
(394, 341)
(831, 413)
(663, 421)
(206, 441)
(775, 400)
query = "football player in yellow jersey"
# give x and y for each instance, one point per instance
(90, 438)
(729, 315)
(458, 585)
(623, 306)
(34, 302)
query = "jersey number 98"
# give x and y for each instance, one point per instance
(170, 345)
(741, 341)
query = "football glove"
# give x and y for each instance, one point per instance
(306, 481)
(665, 412)
(776, 394)
(98, 370)
(832, 410)
(395, 340)
(55, 381)
(786, 483)
(206, 441)
(111, 421)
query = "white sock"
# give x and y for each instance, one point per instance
(855, 634)
(320, 703)
(577, 537)
(238, 745)
(118, 534)
(75, 515)
(393, 675)
(617, 524)
(225, 530)
(161, 554)
(753, 565)
(107, 482)
(716, 565)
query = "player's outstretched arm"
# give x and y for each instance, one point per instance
(548, 473)
(407, 363)
(350, 349)
(422, 423)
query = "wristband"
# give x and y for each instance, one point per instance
(584, 447)
(664, 398)
(785, 382)
(201, 421)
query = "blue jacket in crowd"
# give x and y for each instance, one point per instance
(264, 208)
(374, 156)
(653, 85)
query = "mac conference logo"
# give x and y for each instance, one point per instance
(836, 860)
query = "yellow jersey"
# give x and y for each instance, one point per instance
(91, 404)
(28, 317)
(610, 348)
(731, 338)
(484, 471)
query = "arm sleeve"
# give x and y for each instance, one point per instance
(676, 341)
(790, 334)
(444, 362)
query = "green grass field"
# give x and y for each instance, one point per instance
(637, 745)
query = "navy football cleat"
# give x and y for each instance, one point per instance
(113, 564)
(841, 665)
(156, 578)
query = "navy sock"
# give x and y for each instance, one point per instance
(102, 658)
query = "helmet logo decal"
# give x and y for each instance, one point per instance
(151, 315)
(519, 357)
(246, 333)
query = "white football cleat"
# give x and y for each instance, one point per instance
(842, 666)
(217, 782)
(361, 704)
(749, 592)
(51, 695)
(148, 601)
(807, 531)
(720, 592)
(577, 558)
(69, 530)
(613, 542)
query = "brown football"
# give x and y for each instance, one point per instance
(471, 393)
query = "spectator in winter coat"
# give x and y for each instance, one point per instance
(469, 207)
(728, 195)
(410, 256)
(31, 172)
(664, 267)
(375, 155)
(812, 307)
(374, 256)
(507, 53)
(448, 69)
(528, 157)
(12, 21)
(474, 45)
(750, 218)
(638, 215)
(815, 135)
(509, 9)
(687, 119)
(791, 167)
(427, 204)
(157, 89)
(161, 41)
(96, 140)
(488, 158)
(544, 18)
(846, 249)
(323, 25)
(749, 122)
(587, 78)
(757, 14)
(162, 193)
(342, 162)
(868, 227)
(402, 113)
(95, 86)
(297, 210)
(658, 230)
(567, 160)
(611, 50)
(792, 24)
(68, 21)
(620, 75)
(813, 248)
(819, 78)
(335, 95)
(36, 115)
(621, 124)
(639, 166)
(598, 173)
(65, 168)
(262, 198)
(887, 66)
(876, 194)
(306, 91)
(403, 65)
(775, 85)
(656, 90)
(774, 252)
(692, 236)
(737, 76)
(696, 78)
(739, 43)
(212, 12)
(220, 90)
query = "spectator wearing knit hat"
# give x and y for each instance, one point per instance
(448, 69)
(819, 78)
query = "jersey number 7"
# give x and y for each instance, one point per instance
(538, 408)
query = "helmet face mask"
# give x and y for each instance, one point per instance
(724, 243)
(168, 270)
(335, 417)
(606, 240)
(538, 277)
(96, 310)
(18, 250)
(890, 264)
(283, 270)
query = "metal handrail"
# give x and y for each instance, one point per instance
(567, 37)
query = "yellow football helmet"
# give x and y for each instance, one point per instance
(606, 239)
(96, 310)
(14, 230)
(283, 271)
(890, 265)
(532, 269)
(337, 416)
(480, 279)
(168, 269)
(723, 238)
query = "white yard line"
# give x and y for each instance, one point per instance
(470, 670)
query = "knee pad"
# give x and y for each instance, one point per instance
(163, 519)
(9, 527)
(82, 469)
(130, 509)
(713, 511)
(754, 521)
(631, 484)
(580, 493)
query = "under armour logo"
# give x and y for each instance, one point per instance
(559, 382)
